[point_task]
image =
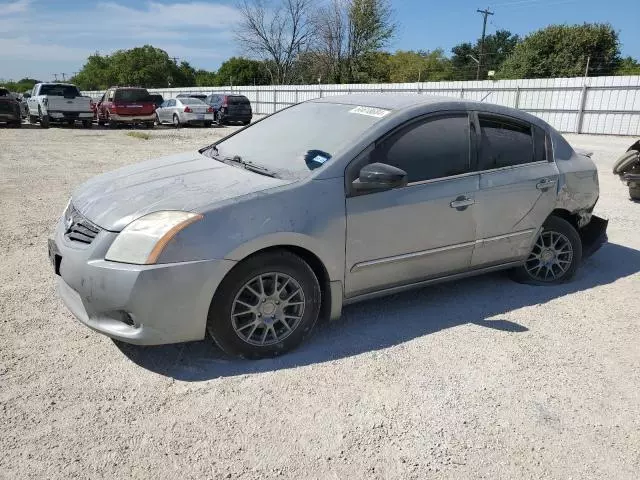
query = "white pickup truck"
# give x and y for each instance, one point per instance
(59, 102)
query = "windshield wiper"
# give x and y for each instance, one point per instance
(249, 166)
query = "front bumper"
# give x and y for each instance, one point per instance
(133, 118)
(140, 304)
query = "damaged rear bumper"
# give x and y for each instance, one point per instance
(593, 235)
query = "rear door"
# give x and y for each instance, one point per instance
(518, 187)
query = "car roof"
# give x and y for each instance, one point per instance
(417, 103)
(388, 101)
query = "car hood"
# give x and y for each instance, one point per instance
(187, 182)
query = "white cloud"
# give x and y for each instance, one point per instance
(190, 30)
(11, 8)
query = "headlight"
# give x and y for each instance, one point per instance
(143, 240)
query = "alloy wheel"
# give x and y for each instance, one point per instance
(550, 258)
(267, 309)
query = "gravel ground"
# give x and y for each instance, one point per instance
(481, 378)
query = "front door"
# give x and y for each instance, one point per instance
(423, 230)
(518, 188)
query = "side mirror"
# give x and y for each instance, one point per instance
(380, 176)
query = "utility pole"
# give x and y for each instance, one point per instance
(586, 70)
(485, 14)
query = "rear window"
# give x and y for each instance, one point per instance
(238, 100)
(132, 95)
(68, 91)
(191, 101)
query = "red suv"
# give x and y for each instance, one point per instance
(126, 105)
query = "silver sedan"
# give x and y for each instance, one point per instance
(184, 111)
(326, 203)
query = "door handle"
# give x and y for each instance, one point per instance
(545, 184)
(462, 202)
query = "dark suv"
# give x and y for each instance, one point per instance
(230, 108)
(126, 105)
(9, 109)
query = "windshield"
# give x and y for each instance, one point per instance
(191, 101)
(295, 141)
(132, 95)
(69, 91)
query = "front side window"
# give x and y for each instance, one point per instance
(504, 143)
(431, 149)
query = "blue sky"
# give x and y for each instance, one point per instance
(42, 37)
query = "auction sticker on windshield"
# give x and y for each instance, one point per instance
(370, 111)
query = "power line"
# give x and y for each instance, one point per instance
(485, 13)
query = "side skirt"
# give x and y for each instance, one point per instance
(431, 281)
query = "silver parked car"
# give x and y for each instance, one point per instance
(184, 111)
(325, 203)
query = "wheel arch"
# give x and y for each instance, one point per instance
(331, 301)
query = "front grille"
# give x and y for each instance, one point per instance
(78, 228)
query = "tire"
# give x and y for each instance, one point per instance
(246, 122)
(207, 124)
(634, 193)
(17, 124)
(627, 160)
(568, 248)
(100, 122)
(112, 123)
(157, 120)
(149, 125)
(176, 121)
(87, 124)
(43, 119)
(290, 273)
(33, 119)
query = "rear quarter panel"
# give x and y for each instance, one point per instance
(578, 186)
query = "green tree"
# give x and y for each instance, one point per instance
(411, 66)
(497, 48)
(563, 50)
(21, 86)
(205, 78)
(241, 71)
(145, 66)
(628, 66)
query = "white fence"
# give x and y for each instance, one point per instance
(598, 105)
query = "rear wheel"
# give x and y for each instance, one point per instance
(555, 257)
(634, 192)
(112, 123)
(43, 119)
(626, 160)
(149, 125)
(87, 124)
(176, 121)
(207, 124)
(265, 306)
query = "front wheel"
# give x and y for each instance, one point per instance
(555, 256)
(265, 306)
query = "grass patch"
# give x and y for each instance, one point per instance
(140, 135)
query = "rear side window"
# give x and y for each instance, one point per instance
(237, 100)
(504, 143)
(540, 144)
(132, 95)
(431, 149)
